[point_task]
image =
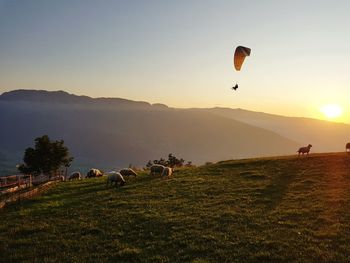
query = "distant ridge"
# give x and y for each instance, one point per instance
(110, 132)
(41, 96)
(62, 97)
(325, 136)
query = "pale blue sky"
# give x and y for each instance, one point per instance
(180, 52)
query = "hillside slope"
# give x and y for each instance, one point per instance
(283, 209)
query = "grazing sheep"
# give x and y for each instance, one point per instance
(167, 171)
(347, 147)
(157, 169)
(127, 172)
(94, 173)
(116, 178)
(74, 175)
(303, 150)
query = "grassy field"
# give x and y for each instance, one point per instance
(284, 209)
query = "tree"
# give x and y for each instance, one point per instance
(172, 161)
(189, 164)
(46, 157)
(149, 164)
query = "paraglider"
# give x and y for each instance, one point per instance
(240, 54)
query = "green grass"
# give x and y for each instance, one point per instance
(283, 209)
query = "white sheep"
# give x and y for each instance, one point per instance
(347, 147)
(94, 173)
(167, 171)
(74, 175)
(157, 169)
(116, 178)
(303, 150)
(127, 172)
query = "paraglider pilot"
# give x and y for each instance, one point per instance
(235, 87)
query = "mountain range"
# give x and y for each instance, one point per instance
(110, 133)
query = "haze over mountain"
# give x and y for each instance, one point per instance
(325, 136)
(112, 132)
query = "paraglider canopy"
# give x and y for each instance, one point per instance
(240, 54)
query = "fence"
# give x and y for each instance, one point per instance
(18, 196)
(10, 186)
(13, 183)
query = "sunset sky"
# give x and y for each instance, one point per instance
(180, 52)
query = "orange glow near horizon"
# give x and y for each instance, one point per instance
(332, 111)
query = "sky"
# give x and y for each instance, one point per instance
(180, 52)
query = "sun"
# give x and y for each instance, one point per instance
(331, 111)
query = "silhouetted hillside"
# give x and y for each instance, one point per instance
(63, 98)
(325, 136)
(99, 132)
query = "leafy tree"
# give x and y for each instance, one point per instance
(189, 164)
(46, 157)
(161, 161)
(172, 161)
(149, 164)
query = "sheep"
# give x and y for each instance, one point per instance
(74, 175)
(167, 171)
(303, 150)
(116, 178)
(62, 178)
(94, 173)
(127, 172)
(347, 147)
(157, 169)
